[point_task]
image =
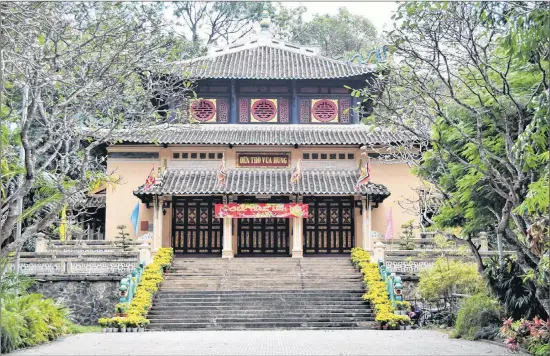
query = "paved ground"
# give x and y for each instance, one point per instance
(273, 342)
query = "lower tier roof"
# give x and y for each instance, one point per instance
(261, 134)
(263, 181)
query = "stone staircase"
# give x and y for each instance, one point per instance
(261, 293)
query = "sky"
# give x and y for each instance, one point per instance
(379, 13)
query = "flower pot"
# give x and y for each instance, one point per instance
(140, 330)
(134, 330)
(103, 330)
(385, 327)
(110, 330)
(401, 327)
(122, 330)
(407, 327)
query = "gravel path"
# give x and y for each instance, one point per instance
(268, 342)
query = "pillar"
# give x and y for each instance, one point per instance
(41, 244)
(483, 242)
(157, 223)
(379, 252)
(297, 238)
(144, 253)
(364, 221)
(227, 251)
(369, 225)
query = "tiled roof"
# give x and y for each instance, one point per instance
(262, 134)
(263, 181)
(269, 59)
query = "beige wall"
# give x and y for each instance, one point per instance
(401, 183)
(120, 202)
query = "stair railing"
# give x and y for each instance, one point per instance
(128, 284)
(394, 285)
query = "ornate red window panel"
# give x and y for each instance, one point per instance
(223, 110)
(344, 110)
(243, 110)
(324, 110)
(305, 110)
(263, 110)
(284, 108)
(204, 110)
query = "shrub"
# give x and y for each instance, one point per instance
(533, 335)
(446, 277)
(479, 316)
(143, 298)
(29, 320)
(376, 290)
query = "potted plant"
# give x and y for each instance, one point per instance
(104, 323)
(142, 324)
(122, 309)
(132, 323)
(111, 325)
(392, 324)
(121, 324)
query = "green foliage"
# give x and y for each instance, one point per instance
(12, 284)
(340, 34)
(516, 295)
(29, 320)
(407, 235)
(83, 329)
(448, 276)
(478, 314)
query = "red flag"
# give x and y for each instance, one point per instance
(389, 226)
(150, 179)
(364, 177)
(296, 173)
(222, 173)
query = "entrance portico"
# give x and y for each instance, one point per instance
(338, 215)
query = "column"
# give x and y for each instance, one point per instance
(157, 222)
(379, 252)
(297, 238)
(227, 251)
(369, 225)
(364, 220)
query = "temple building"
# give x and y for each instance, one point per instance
(265, 108)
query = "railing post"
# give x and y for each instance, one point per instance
(380, 251)
(41, 244)
(483, 242)
(144, 253)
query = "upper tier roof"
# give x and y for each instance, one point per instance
(263, 57)
(263, 134)
(269, 59)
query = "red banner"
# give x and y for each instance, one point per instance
(261, 210)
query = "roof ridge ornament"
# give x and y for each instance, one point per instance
(265, 22)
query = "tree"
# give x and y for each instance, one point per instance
(70, 74)
(340, 34)
(217, 23)
(470, 83)
(447, 277)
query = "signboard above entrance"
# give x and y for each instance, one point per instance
(263, 160)
(261, 210)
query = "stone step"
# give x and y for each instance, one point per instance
(262, 325)
(283, 292)
(261, 320)
(258, 313)
(256, 297)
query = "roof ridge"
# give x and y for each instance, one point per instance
(259, 44)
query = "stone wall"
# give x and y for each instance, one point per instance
(88, 298)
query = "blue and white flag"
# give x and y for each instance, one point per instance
(135, 217)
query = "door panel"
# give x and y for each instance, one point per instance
(195, 228)
(329, 225)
